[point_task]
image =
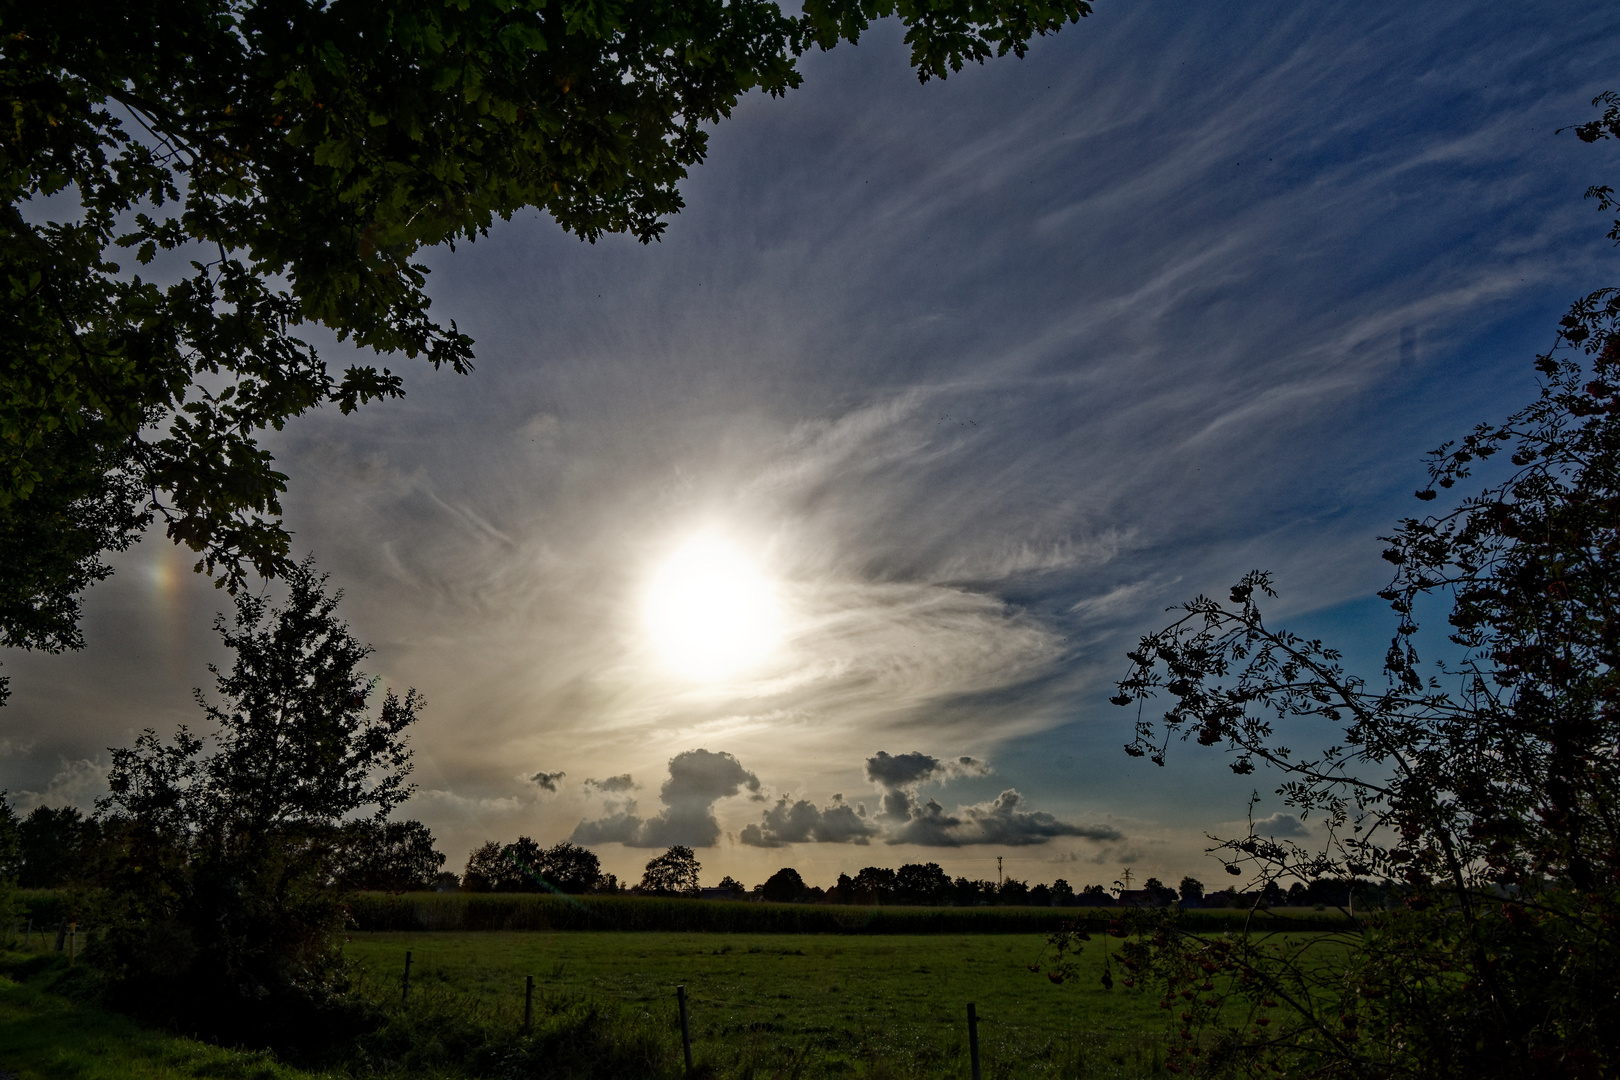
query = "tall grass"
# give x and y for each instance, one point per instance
(538, 911)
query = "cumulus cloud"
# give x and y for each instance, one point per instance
(803, 822)
(906, 819)
(1281, 825)
(76, 783)
(548, 781)
(613, 785)
(999, 821)
(697, 780)
(899, 775)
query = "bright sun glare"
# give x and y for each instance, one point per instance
(710, 612)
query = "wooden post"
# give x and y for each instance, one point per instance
(973, 1039)
(528, 1002)
(686, 1032)
(405, 985)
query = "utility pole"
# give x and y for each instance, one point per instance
(998, 871)
(1127, 877)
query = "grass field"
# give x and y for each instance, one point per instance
(46, 1036)
(805, 1006)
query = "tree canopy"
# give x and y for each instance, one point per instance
(231, 173)
(674, 873)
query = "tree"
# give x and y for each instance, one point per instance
(921, 883)
(1191, 891)
(524, 857)
(10, 842)
(732, 887)
(784, 887)
(300, 156)
(57, 847)
(1484, 785)
(1159, 891)
(220, 910)
(1095, 896)
(570, 868)
(524, 866)
(674, 873)
(389, 856)
(1012, 892)
(873, 885)
(489, 870)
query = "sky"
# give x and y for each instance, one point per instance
(815, 534)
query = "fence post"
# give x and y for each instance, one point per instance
(686, 1033)
(973, 1039)
(528, 1002)
(405, 984)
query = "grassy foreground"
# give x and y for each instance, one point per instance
(47, 1036)
(805, 1006)
(795, 1007)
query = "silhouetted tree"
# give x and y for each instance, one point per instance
(843, 890)
(873, 885)
(1012, 892)
(674, 873)
(59, 846)
(1158, 891)
(489, 870)
(784, 887)
(921, 883)
(10, 842)
(966, 892)
(570, 868)
(220, 913)
(391, 856)
(1095, 896)
(1191, 891)
(524, 866)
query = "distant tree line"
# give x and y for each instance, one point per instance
(524, 866)
(60, 847)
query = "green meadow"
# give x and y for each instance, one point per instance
(798, 1006)
(812, 1005)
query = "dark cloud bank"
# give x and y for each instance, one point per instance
(700, 778)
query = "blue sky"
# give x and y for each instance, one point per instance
(978, 377)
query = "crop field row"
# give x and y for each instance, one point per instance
(535, 911)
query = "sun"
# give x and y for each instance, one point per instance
(709, 611)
